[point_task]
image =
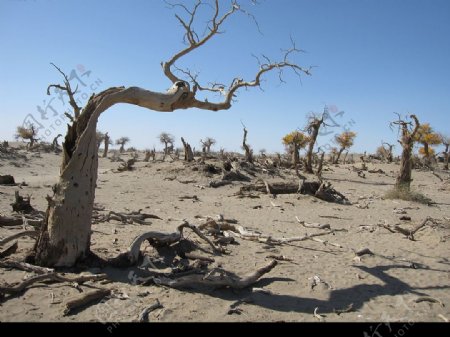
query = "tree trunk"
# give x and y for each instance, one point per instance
(446, 156)
(295, 154)
(338, 155)
(188, 154)
(105, 150)
(403, 181)
(65, 235)
(314, 127)
(122, 148)
(248, 151)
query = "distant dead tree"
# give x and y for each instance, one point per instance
(408, 136)
(122, 141)
(314, 124)
(167, 139)
(55, 145)
(345, 141)
(295, 141)
(445, 140)
(427, 137)
(385, 151)
(248, 150)
(262, 152)
(27, 134)
(188, 153)
(100, 137)
(320, 165)
(150, 154)
(207, 143)
(107, 142)
(333, 154)
(65, 236)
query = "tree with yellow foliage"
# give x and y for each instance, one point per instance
(27, 134)
(295, 141)
(427, 137)
(345, 141)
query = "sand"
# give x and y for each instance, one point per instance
(394, 284)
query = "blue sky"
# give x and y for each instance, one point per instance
(371, 58)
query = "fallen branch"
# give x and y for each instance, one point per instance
(131, 256)
(49, 277)
(215, 281)
(192, 256)
(9, 250)
(410, 233)
(132, 217)
(428, 299)
(143, 316)
(26, 267)
(364, 251)
(312, 225)
(32, 234)
(85, 299)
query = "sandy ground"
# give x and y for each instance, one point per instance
(380, 287)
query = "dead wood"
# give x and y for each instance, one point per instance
(49, 277)
(348, 308)
(410, 233)
(25, 267)
(312, 225)
(7, 180)
(32, 234)
(322, 191)
(192, 256)
(216, 281)
(127, 166)
(22, 204)
(84, 299)
(428, 299)
(6, 221)
(157, 239)
(143, 316)
(131, 217)
(364, 251)
(9, 250)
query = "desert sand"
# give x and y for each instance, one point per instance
(403, 280)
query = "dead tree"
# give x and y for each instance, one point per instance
(313, 127)
(207, 143)
(446, 142)
(55, 145)
(100, 137)
(122, 141)
(389, 155)
(27, 134)
(320, 166)
(345, 140)
(408, 134)
(65, 235)
(107, 141)
(167, 139)
(246, 147)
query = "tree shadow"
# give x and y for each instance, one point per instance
(355, 296)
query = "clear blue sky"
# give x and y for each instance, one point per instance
(372, 58)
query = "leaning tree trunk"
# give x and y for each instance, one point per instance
(314, 128)
(65, 235)
(122, 148)
(188, 154)
(338, 155)
(446, 156)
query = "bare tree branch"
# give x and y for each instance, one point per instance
(68, 89)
